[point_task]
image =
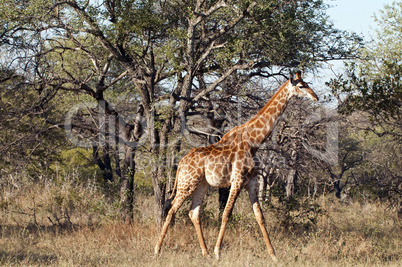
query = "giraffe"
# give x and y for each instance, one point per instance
(231, 162)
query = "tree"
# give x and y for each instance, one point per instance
(373, 83)
(27, 143)
(172, 54)
(371, 91)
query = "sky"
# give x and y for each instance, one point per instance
(350, 15)
(355, 15)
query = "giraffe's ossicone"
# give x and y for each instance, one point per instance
(231, 162)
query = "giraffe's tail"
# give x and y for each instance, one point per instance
(168, 202)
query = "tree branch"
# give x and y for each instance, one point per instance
(212, 87)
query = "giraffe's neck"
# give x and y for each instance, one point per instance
(261, 125)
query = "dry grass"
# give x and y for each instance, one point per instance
(346, 235)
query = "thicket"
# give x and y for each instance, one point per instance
(98, 103)
(65, 221)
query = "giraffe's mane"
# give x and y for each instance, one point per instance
(229, 135)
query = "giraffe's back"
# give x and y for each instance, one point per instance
(214, 163)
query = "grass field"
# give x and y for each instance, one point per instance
(44, 224)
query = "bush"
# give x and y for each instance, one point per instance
(63, 201)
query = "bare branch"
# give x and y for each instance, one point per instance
(224, 76)
(121, 76)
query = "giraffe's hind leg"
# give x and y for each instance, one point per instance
(252, 188)
(195, 212)
(177, 202)
(183, 192)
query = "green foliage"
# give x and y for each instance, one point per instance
(372, 92)
(380, 96)
(21, 128)
(128, 51)
(373, 83)
(77, 159)
(380, 174)
(295, 213)
(143, 184)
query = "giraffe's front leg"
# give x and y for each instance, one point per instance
(234, 192)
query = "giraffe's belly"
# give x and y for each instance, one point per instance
(218, 176)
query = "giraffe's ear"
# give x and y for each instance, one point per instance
(291, 78)
(298, 75)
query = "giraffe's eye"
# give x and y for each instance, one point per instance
(302, 85)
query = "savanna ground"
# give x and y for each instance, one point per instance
(63, 223)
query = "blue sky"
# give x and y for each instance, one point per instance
(355, 15)
(351, 15)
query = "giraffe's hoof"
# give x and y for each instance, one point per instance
(206, 255)
(204, 252)
(274, 258)
(217, 256)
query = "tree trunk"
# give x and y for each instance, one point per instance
(290, 183)
(337, 188)
(108, 172)
(163, 162)
(159, 194)
(157, 181)
(104, 164)
(263, 181)
(130, 135)
(98, 160)
(223, 199)
(292, 174)
(264, 193)
(127, 186)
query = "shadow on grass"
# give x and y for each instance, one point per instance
(26, 258)
(9, 231)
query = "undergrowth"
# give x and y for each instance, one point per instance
(62, 222)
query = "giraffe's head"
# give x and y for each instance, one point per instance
(300, 88)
